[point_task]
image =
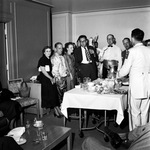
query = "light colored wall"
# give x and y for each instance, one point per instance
(62, 28)
(117, 22)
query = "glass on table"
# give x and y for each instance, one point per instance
(85, 83)
(79, 82)
(27, 124)
(44, 135)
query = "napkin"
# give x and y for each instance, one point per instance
(33, 78)
(16, 133)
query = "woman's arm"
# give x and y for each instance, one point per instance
(46, 74)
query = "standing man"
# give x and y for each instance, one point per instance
(59, 70)
(85, 59)
(138, 66)
(127, 45)
(111, 52)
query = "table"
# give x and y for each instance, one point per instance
(78, 98)
(56, 134)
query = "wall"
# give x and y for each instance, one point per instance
(62, 28)
(30, 33)
(118, 22)
(5, 15)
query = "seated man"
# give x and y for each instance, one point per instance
(4, 124)
(138, 139)
(8, 143)
(10, 109)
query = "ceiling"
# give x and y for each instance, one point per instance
(76, 6)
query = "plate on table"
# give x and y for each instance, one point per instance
(125, 83)
(21, 141)
(38, 125)
(120, 91)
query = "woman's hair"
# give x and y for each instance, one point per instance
(46, 47)
(66, 46)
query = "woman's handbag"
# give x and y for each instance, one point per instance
(24, 90)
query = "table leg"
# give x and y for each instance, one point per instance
(37, 108)
(105, 118)
(85, 118)
(64, 121)
(69, 144)
(80, 119)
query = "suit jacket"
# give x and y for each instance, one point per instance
(78, 55)
(138, 66)
(123, 54)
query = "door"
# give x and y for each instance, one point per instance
(3, 56)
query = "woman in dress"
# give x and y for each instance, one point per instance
(70, 64)
(48, 87)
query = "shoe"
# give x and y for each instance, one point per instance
(115, 139)
(48, 111)
(57, 112)
(126, 143)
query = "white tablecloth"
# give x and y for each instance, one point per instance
(78, 98)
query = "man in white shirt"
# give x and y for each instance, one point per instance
(111, 52)
(137, 65)
(59, 70)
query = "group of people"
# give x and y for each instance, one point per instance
(136, 64)
(61, 70)
(57, 75)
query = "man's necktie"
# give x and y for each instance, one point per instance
(87, 54)
(127, 53)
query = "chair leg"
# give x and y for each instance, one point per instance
(12, 123)
(21, 118)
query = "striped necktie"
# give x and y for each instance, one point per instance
(87, 54)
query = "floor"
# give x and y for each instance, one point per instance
(74, 124)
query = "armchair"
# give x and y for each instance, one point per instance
(26, 102)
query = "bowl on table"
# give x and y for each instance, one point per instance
(38, 124)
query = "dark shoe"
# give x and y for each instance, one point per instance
(115, 139)
(126, 143)
(57, 112)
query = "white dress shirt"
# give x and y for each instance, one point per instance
(138, 66)
(59, 68)
(113, 53)
(84, 58)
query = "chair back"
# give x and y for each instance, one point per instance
(14, 85)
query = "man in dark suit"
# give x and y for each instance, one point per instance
(85, 59)
(127, 44)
